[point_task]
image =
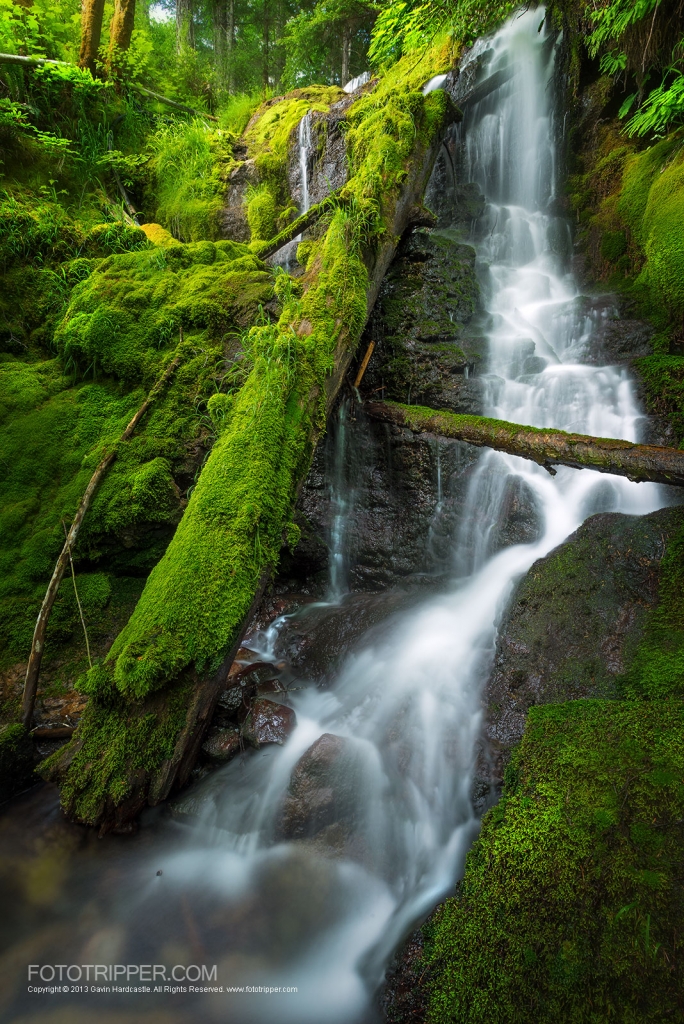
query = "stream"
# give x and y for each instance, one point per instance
(224, 882)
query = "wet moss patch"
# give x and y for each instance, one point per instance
(573, 898)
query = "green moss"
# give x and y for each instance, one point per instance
(663, 379)
(261, 213)
(132, 306)
(657, 669)
(572, 903)
(120, 743)
(613, 245)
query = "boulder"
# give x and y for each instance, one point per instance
(222, 744)
(323, 790)
(268, 722)
(575, 621)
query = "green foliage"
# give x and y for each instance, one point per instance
(314, 39)
(188, 189)
(572, 901)
(406, 26)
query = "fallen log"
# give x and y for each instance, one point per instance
(38, 644)
(545, 446)
(153, 697)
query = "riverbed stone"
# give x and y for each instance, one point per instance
(322, 790)
(221, 744)
(268, 722)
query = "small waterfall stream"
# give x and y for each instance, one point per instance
(397, 729)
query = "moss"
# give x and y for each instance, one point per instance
(573, 898)
(613, 245)
(261, 213)
(657, 668)
(132, 306)
(663, 379)
(120, 742)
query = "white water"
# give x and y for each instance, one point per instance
(408, 705)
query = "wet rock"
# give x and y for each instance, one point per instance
(429, 295)
(221, 744)
(17, 761)
(268, 722)
(320, 637)
(323, 789)
(574, 621)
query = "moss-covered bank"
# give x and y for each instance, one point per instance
(573, 897)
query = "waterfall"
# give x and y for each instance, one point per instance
(406, 708)
(341, 506)
(304, 141)
(322, 915)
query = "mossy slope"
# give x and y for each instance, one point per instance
(573, 899)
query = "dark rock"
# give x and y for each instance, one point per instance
(405, 995)
(233, 217)
(574, 621)
(422, 354)
(320, 637)
(17, 761)
(268, 722)
(222, 744)
(323, 789)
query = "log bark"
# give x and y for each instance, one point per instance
(546, 447)
(38, 644)
(121, 28)
(92, 12)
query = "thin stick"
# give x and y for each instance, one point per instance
(78, 601)
(364, 364)
(38, 644)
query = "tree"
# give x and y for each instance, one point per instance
(185, 25)
(121, 28)
(92, 12)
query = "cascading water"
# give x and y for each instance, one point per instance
(402, 719)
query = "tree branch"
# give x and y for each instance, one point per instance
(545, 446)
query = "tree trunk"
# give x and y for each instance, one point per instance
(230, 45)
(92, 12)
(546, 447)
(219, 12)
(270, 437)
(121, 28)
(265, 54)
(185, 27)
(347, 30)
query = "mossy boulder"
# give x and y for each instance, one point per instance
(576, 620)
(17, 761)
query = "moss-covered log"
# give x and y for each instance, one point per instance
(545, 446)
(151, 700)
